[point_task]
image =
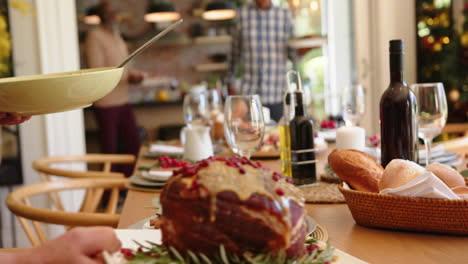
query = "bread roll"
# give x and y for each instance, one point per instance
(461, 191)
(448, 175)
(399, 172)
(356, 168)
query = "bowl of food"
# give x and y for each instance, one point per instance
(404, 196)
(56, 92)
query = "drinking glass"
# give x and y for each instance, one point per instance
(243, 124)
(432, 112)
(353, 104)
(196, 108)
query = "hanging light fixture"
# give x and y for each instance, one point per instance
(219, 10)
(161, 12)
(92, 17)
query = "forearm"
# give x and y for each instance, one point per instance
(20, 257)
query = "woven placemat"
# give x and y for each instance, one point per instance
(322, 192)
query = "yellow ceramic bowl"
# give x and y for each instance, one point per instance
(56, 92)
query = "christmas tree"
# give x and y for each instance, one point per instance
(443, 53)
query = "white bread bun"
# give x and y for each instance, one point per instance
(461, 191)
(448, 175)
(399, 172)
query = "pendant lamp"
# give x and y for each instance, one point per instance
(92, 17)
(219, 10)
(161, 12)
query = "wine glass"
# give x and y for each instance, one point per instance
(432, 112)
(353, 104)
(196, 108)
(243, 124)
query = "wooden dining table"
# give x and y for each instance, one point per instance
(369, 244)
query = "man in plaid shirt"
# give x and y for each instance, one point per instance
(260, 39)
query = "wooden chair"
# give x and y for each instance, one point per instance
(44, 165)
(45, 168)
(19, 203)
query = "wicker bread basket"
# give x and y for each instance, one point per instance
(408, 213)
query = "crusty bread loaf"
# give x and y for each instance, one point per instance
(356, 168)
(399, 172)
(448, 175)
(461, 191)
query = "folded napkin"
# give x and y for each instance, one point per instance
(436, 151)
(155, 175)
(166, 149)
(426, 185)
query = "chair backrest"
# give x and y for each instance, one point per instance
(18, 202)
(44, 165)
(45, 168)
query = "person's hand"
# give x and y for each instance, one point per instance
(8, 119)
(81, 245)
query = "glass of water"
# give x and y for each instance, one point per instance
(244, 125)
(432, 112)
(353, 104)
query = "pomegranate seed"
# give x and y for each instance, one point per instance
(242, 170)
(203, 164)
(195, 185)
(164, 166)
(279, 191)
(277, 175)
(289, 180)
(258, 164)
(174, 160)
(127, 253)
(311, 248)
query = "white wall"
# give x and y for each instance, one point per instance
(44, 41)
(375, 23)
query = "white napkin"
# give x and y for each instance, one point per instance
(154, 175)
(129, 236)
(425, 185)
(435, 151)
(166, 149)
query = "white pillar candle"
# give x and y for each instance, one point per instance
(351, 138)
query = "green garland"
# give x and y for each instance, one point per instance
(160, 254)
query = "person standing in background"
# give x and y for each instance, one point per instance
(260, 46)
(115, 118)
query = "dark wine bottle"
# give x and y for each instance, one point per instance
(398, 113)
(302, 144)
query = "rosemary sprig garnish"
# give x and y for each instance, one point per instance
(160, 254)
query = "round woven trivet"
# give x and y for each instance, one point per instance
(320, 234)
(322, 192)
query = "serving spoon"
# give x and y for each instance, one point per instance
(149, 42)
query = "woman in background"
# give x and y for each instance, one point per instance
(115, 118)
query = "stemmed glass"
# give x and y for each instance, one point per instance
(432, 112)
(244, 125)
(353, 104)
(196, 108)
